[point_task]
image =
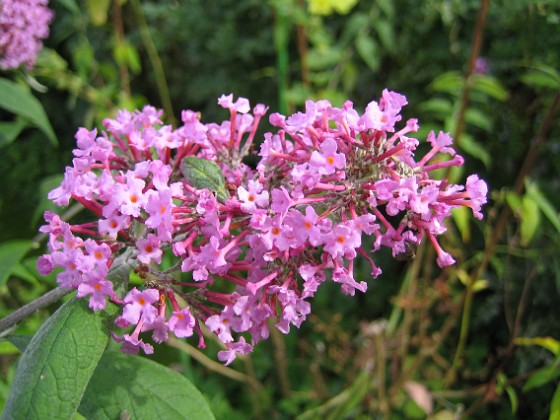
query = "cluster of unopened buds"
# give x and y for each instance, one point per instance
(219, 242)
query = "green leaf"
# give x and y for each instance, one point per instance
(514, 202)
(71, 6)
(475, 149)
(324, 58)
(58, 363)
(479, 119)
(542, 80)
(369, 51)
(451, 82)
(489, 85)
(546, 207)
(9, 131)
(461, 217)
(140, 388)
(542, 76)
(11, 253)
(385, 33)
(512, 398)
(543, 376)
(22, 271)
(14, 98)
(548, 343)
(127, 55)
(530, 219)
(355, 22)
(555, 405)
(21, 341)
(439, 106)
(202, 173)
(97, 11)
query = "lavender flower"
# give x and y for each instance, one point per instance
(23, 24)
(327, 178)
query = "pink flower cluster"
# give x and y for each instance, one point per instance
(228, 245)
(23, 24)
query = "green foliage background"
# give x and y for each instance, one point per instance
(100, 57)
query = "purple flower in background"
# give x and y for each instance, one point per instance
(23, 24)
(481, 66)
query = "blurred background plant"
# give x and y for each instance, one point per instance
(480, 338)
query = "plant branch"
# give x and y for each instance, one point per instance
(474, 54)
(41, 302)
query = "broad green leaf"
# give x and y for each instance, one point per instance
(530, 219)
(71, 6)
(387, 6)
(11, 253)
(21, 270)
(543, 376)
(542, 76)
(368, 50)
(355, 22)
(324, 58)
(555, 405)
(97, 11)
(83, 57)
(202, 173)
(514, 202)
(140, 388)
(475, 149)
(540, 80)
(546, 207)
(385, 33)
(451, 82)
(479, 119)
(548, 343)
(9, 131)
(57, 365)
(490, 86)
(439, 106)
(15, 99)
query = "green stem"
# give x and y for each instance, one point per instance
(281, 39)
(155, 60)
